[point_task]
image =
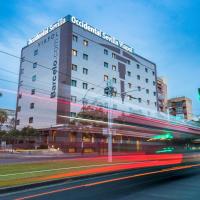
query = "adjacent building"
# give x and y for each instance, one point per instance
(162, 94)
(181, 107)
(71, 61)
(10, 122)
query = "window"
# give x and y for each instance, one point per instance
(106, 64)
(138, 66)
(75, 38)
(85, 86)
(114, 68)
(155, 104)
(73, 99)
(18, 108)
(129, 73)
(72, 114)
(138, 77)
(146, 80)
(105, 51)
(85, 56)
(85, 43)
(130, 97)
(139, 88)
(34, 78)
(85, 71)
(154, 83)
(113, 55)
(114, 94)
(74, 52)
(18, 122)
(32, 91)
(32, 105)
(20, 96)
(30, 119)
(154, 93)
(34, 65)
(129, 85)
(128, 62)
(36, 52)
(73, 83)
(153, 73)
(146, 70)
(114, 80)
(21, 71)
(114, 106)
(74, 67)
(105, 77)
(147, 91)
(148, 102)
(139, 100)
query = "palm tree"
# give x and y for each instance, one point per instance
(3, 118)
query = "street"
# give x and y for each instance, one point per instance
(178, 184)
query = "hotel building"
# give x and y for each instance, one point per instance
(70, 64)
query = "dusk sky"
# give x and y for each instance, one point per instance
(164, 31)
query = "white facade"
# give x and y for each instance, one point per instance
(140, 93)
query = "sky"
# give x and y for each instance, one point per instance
(165, 31)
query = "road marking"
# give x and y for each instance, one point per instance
(65, 168)
(109, 181)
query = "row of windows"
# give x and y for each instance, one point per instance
(75, 68)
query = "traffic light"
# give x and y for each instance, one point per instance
(199, 94)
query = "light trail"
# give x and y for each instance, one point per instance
(108, 181)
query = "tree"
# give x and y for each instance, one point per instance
(3, 118)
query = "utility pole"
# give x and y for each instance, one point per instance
(109, 91)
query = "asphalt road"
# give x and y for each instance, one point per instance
(169, 185)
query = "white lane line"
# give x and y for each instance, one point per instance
(58, 169)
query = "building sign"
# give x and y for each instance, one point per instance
(47, 30)
(55, 66)
(101, 34)
(83, 25)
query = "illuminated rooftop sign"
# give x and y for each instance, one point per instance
(85, 26)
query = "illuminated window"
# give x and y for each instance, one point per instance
(85, 43)
(105, 77)
(114, 68)
(74, 52)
